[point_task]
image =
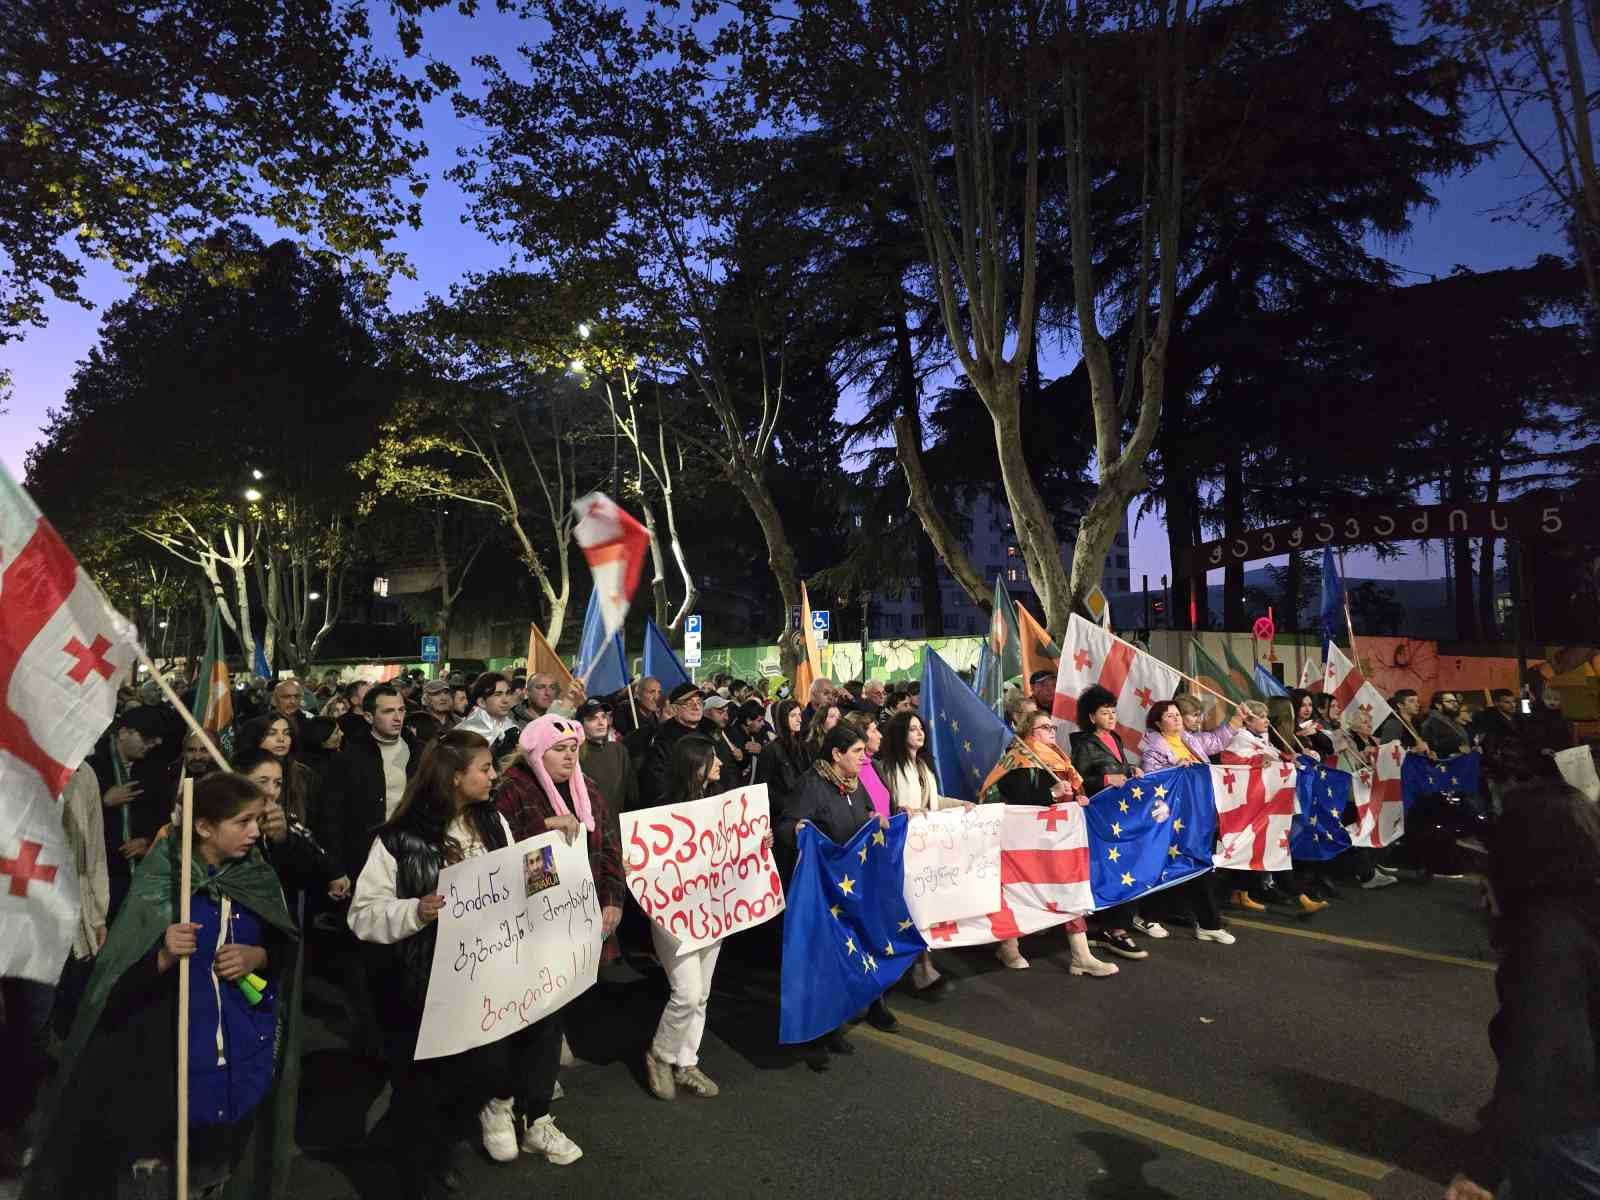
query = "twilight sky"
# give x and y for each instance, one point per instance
(1461, 230)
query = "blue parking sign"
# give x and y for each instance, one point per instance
(430, 649)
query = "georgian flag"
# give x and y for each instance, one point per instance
(615, 545)
(61, 651)
(1352, 690)
(1090, 655)
(1255, 808)
(1380, 800)
(1044, 878)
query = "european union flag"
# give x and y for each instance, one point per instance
(965, 737)
(604, 664)
(1131, 853)
(1332, 601)
(847, 934)
(1317, 832)
(659, 660)
(1267, 683)
(1421, 776)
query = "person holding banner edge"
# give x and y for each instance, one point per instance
(1103, 761)
(831, 798)
(672, 1060)
(446, 816)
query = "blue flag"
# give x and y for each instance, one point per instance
(1332, 601)
(1131, 853)
(660, 661)
(1317, 832)
(965, 737)
(1421, 776)
(847, 934)
(262, 669)
(1267, 683)
(609, 659)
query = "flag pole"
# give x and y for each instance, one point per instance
(184, 912)
(183, 709)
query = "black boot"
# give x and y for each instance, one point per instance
(879, 1016)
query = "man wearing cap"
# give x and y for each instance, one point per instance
(1042, 687)
(133, 811)
(606, 762)
(438, 712)
(684, 711)
(736, 751)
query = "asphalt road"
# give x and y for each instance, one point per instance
(1340, 1055)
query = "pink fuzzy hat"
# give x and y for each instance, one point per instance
(539, 737)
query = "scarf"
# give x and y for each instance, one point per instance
(1018, 758)
(828, 772)
(539, 737)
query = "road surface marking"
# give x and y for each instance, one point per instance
(1124, 1122)
(1359, 944)
(1274, 1139)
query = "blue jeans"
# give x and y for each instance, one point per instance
(1564, 1167)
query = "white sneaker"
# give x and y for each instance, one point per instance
(542, 1137)
(1383, 870)
(923, 973)
(499, 1128)
(1220, 936)
(1152, 929)
(567, 1057)
(1379, 880)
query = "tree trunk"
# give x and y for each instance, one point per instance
(1460, 551)
(1293, 572)
(911, 412)
(1234, 619)
(946, 542)
(780, 554)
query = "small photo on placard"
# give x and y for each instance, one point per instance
(539, 870)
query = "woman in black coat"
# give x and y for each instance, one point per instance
(784, 761)
(831, 798)
(1103, 761)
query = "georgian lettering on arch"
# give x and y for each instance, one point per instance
(1296, 536)
(1384, 525)
(1455, 515)
(1419, 524)
(1352, 527)
(1324, 538)
(1496, 522)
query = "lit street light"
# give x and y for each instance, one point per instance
(252, 495)
(583, 329)
(256, 475)
(314, 596)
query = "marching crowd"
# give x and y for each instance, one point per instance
(354, 795)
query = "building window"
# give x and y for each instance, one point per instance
(1013, 575)
(380, 586)
(1011, 551)
(916, 622)
(972, 625)
(858, 520)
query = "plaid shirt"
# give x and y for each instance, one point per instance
(525, 807)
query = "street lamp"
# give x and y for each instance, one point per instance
(577, 366)
(583, 329)
(257, 475)
(314, 596)
(252, 495)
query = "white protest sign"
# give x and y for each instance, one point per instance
(698, 869)
(1577, 768)
(519, 936)
(952, 864)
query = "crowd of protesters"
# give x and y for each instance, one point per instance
(354, 794)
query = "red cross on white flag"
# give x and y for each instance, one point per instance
(1255, 807)
(61, 650)
(1044, 878)
(614, 545)
(1380, 800)
(1352, 689)
(1090, 655)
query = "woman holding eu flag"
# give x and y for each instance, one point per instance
(831, 798)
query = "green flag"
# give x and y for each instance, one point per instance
(213, 691)
(1242, 675)
(1002, 659)
(1211, 674)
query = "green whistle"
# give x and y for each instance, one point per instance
(253, 986)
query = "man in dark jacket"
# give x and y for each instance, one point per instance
(736, 752)
(374, 767)
(1443, 731)
(137, 804)
(1499, 720)
(684, 711)
(605, 761)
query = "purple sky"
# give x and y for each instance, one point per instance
(1462, 230)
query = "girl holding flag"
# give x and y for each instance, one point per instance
(243, 1035)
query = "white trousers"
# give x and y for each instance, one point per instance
(683, 1021)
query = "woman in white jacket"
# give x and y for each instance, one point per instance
(903, 766)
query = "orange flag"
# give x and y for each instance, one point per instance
(543, 660)
(809, 669)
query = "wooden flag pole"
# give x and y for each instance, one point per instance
(1355, 654)
(184, 909)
